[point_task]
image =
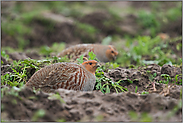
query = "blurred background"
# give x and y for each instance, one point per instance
(142, 32)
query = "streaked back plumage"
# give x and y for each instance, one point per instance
(63, 75)
(102, 52)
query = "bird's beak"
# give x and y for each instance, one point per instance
(114, 58)
(97, 65)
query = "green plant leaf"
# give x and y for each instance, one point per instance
(80, 59)
(136, 88)
(107, 89)
(107, 40)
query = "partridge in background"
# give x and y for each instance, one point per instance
(104, 53)
(65, 75)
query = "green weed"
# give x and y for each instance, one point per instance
(32, 98)
(110, 65)
(4, 55)
(177, 81)
(55, 59)
(151, 76)
(14, 91)
(174, 13)
(16, 29)
(166, 77)
(13, 79)
(88, 28)
(80, 59)
(149, 21)
(20, 70)
(30, 63)
(61, 120)
(38, 114)
(22, 75)
(133, 115)
(46, 50)
(22, 43)
(106, 40)
(5, 79)
(130, 81)
(86, 32)
(91, 55)
(146, 50)
(143, 117)
(99, 118)
(136, 88)
(144, 92)
(105, 84)
(56, 48)
(56, 96)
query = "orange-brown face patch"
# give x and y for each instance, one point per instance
(111, 53)
(90, 65)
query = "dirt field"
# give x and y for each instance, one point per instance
(162, 103)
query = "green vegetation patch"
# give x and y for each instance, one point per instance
(86, 32)
(146, 50)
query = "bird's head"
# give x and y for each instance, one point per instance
(111, 53)
(91, 66)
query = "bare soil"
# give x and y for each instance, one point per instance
(89, 106)
(159, 104)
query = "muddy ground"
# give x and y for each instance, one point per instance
(89, 106)
(163, 103)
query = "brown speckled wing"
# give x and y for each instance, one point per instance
(60, 74)
(38, 77)
(76, 51)
(67, 77)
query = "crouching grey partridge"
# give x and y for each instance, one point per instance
(104, 53)
(65, 75)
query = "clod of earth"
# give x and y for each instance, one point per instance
(140, 78)
(88, 106)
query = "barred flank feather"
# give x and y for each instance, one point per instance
(66, 76)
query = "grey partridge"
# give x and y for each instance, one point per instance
(65, 75)
(104, 53)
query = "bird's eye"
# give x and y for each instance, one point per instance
(112, 51)
(90, 63)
